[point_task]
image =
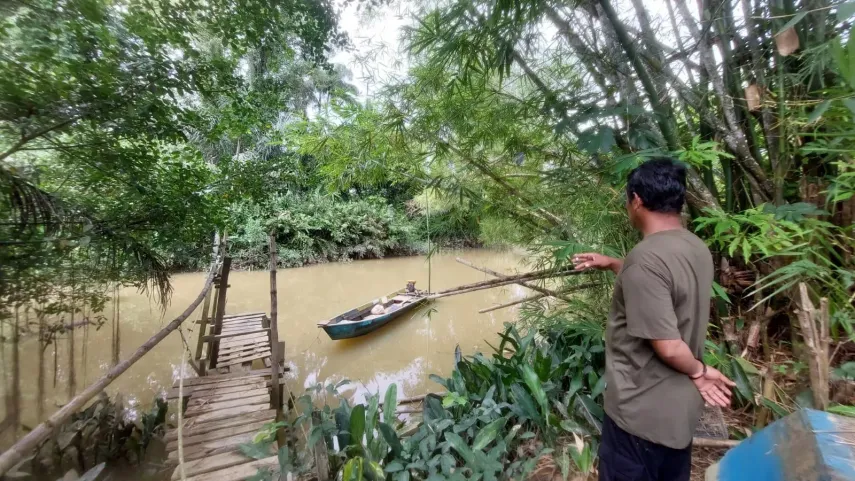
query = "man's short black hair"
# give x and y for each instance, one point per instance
(660, 184)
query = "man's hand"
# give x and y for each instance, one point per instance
(592, 260)
(714, 387)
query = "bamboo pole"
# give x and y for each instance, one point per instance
(203, 326)
(515, 279)
(416, 399)
(513, 303)
(274, 330)
(221, 311)
(16, 376)
(536, 297)
(72, 376)
(25, 445)
(534, 287)
(181, 416)
(714, 443)
(40, 403)
(212, 313)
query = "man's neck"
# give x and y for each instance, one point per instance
(661, 222)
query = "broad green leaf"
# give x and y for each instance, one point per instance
(391, 438)
(442, 382)
(591, 407)
(747, 366)
(352, 470)
(460, 446)
(390, 403)
(394, 467)
(776, 408)
(255, 450)
(572, 426)
(843, 410)
(525, 403)
(512, 433)
(487, 434)
(357, 424)
(743, 385)
(599, 387)
(719, 292)
(535, 387)
(375, 471)
(818, 111)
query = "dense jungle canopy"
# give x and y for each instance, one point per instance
(132, 131)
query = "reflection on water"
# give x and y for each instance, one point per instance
(405, 351)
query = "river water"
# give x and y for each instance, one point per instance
(405, 351)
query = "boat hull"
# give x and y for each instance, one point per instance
(349, 330)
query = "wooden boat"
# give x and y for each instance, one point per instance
(358, 322)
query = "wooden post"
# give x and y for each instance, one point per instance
(274, 331)
(214, 348)
(211, 315)
(814, 329)
(203, 327)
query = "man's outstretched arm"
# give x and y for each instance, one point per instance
(592, 260)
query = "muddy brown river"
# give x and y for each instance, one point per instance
(404, 352)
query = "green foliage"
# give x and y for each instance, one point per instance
(314, 228)
(702, 154)
(793, 236)
(505, 412)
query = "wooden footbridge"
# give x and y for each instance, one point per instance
(228, 402)
(236, 389)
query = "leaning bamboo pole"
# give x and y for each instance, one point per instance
(534, 287)
(25, 445)
(529, 276)
(538, 296)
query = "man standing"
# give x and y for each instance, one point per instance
(656, 381)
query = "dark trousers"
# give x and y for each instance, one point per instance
(624, 457)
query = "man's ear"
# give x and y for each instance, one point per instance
(636, 201)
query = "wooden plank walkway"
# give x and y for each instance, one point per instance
(229, 405)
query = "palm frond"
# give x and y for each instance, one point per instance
(27, 204)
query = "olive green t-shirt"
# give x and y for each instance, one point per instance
(662, 292)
